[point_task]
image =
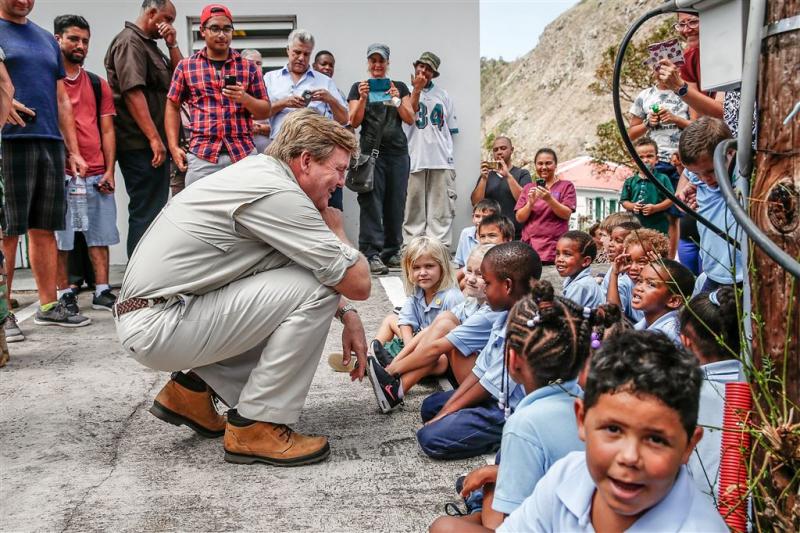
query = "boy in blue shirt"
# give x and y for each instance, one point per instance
(638, 419)
(722, 262)
(469, 235)
(661, 290)
(468, 421)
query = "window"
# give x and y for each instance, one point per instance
(599, 208)
(268, 35)
(612, 206)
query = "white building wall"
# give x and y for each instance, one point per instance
(448, 28)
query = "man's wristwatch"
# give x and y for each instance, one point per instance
(345, 309)
(683, 90)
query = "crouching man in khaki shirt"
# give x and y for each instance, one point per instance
(238, 280)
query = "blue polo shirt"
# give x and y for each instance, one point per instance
(466, 309)
(667, 324)
(625, 290)
(418, 314)
(583, 289)
(489, 365)
(541, 431)
(717, 256)
(466, 242)
(704, 462)
(34, 63)
(280, 85)
(562, 501)
(473, 333)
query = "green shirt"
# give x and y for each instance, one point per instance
(638, 189)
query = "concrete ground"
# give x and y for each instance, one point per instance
(80, 452)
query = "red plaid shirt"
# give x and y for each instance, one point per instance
(216, 120)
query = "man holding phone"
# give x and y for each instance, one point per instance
(297, 85)
(224, 92)
(93, 105)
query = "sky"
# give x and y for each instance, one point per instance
(511, 28)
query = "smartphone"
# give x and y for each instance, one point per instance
(541, 182)
(26, 117)
(492, 165)
(230, 80)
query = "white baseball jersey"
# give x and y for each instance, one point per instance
(430, 138)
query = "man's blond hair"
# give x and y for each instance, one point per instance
(308, 131)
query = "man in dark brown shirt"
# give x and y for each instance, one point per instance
(139, 75)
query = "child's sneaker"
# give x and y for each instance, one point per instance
(385, 387)
(12, 330)
(336, 361)
(381, 354)
(105, 300)
(58, 315)
(70, 300)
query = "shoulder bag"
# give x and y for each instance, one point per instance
(360, 174)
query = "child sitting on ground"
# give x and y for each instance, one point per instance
(548, 340)
(639, 248)
(575, 251)
(721, 261)
(469, 420)
(638, 418)
(431, 288)
(431, 352)
(640, 196)
(710, 330)
(616, 246)
(469, 235)
(661, 289)
(495, 229)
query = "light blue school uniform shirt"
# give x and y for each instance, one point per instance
(583, 289)
(489, 365)
(466, 242)
(541, 431)
(473, 333)
(704, 462)
(625, 289)
(562, 501)
(280, 85)
(466, 309)
(418, 314)
(668, 324)
(717, 256)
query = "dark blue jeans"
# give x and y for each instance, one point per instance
(148, 189)
(689, 256)
(466, 433)
(382, 210)
(337, 199)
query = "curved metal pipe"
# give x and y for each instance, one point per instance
(752, 54)
(775, 252)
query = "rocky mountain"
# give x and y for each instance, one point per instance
(542, 98)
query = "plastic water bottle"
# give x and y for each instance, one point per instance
(76, 199)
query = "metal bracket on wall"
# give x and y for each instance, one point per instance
(781, 26)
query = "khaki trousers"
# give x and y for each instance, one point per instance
(430, 205)
(255, 342)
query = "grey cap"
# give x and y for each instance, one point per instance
(378, 48)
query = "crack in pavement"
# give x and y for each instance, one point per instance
(116, 442)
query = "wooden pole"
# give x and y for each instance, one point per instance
(775, 208)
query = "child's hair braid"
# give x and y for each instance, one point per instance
(554, 334)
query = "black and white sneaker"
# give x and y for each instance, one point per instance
(70, 301)
(381, 354)
(105, 300)
(385, 387)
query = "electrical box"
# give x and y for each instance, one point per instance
(723, 27)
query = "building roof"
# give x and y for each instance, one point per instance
(585, 173)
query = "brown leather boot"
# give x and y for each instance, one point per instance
(273, 444)
(182, 406)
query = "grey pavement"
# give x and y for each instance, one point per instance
(80, 452)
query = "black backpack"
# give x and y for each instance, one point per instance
(98, 94)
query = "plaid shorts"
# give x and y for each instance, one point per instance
(34, 185)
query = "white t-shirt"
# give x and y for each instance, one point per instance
(430, 138)
(666, 136)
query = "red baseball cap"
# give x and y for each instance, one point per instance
(213, 10)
